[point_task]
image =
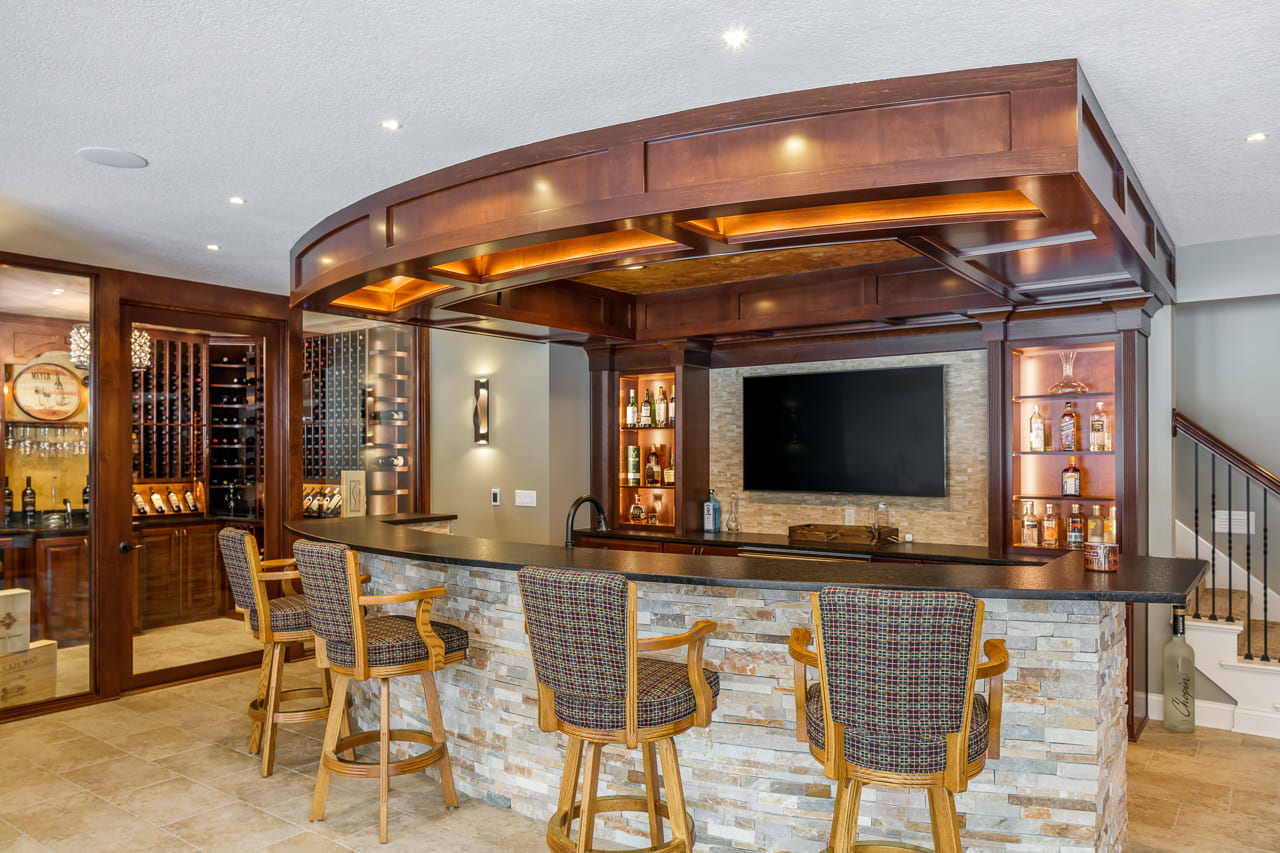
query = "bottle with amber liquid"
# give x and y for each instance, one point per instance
(1076, 523)
(1069, 428)
(1072, 480)
(638, 514)
(652, 470)
(646, 411)
(1030, 525)
(1051, 536)
(1110, 528)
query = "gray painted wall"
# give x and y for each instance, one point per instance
(1229, 269)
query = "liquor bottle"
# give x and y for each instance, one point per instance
(1052, 528)
(633, 465)
(174, 502)
(1094, 531)
(1110, 527)
(190, 499)
(637, 511)
(651, 470)
(646, 410)
(157, 501)
(1179, 678)
(633, 413)
(8, 502)
(396, 461)
(669, 474)
(140, 503)
(711, 513)
(660, 412)
(1069, 428)
(84, 496)
(1030, 525)
(1099, 430)
(29, 502)
(1072, 479)
(671, 408)
(1037, 431)
(1075, 527)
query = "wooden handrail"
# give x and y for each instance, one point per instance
(1264, 477)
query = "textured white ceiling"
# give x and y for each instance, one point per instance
(280, 102)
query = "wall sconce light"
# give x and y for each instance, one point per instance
(80, 346)
(481, 417)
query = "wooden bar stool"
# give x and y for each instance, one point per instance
(362, 647)
(896, 694)
(593, 687)
(274, 622)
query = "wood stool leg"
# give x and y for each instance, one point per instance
(844, 823)
(337, 716)
(675, 792)
(590, 779)
(569, 782)
(440, 737)
(946, 824)
(260, 699)
(651, 793)
(272, 708)
(384, 756)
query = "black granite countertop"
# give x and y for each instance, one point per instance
(1140, 579)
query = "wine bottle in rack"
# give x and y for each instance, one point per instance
(140, 503)
(157, 501)
(396, 461)
(174, 502)
(190, 500)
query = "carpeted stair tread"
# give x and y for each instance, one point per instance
(1273, 640)
(1238, 598)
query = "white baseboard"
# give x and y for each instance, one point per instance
(1222, 715)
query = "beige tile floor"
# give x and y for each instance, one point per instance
(168, 770)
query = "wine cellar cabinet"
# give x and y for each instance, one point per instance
(659, 466)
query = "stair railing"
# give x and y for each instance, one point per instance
(1255, 479)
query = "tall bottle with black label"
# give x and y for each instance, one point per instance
(84, 497)
(1076, 523)
(1069, 428)
(1179, 678)
(29, 502)
(8, 502)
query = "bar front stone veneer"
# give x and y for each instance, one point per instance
(1059, 784)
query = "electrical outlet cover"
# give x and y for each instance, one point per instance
(495, 497)
(526, 497)
(849, 515)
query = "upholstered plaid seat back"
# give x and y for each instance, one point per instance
(330, 606)
(232, 542)
(897, 662)
(577, 625)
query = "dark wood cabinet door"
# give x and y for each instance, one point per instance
(62, 584)
(200, 583)
(159, 577)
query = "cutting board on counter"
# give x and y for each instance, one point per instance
(845, 534)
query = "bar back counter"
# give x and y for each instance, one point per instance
(1059, 784)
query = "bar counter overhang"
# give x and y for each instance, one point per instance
(1059, 783)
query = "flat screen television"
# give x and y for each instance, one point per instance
(877, 432)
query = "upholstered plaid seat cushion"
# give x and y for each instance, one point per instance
(663, 691)
(395, 641)
(892, 754)
(288, 613)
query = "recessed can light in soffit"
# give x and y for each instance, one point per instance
(1255, 137)
(115, 157)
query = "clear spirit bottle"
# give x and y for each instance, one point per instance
(1099, 430)
(1038, 444)
(711, 513)
(1093, 531)
(1052, 527)
(660, 408)
(1030, 525)
(1179, 678)
(1075, 528)
(1110, 528)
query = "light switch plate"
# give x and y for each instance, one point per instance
(848, 515)
(526, 497)
(495, 497)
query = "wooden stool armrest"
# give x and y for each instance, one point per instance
(802, 657)
(657, 644)
(278, 576)
(283, 562)
(997, 660)
(994, 668)
(402, 597)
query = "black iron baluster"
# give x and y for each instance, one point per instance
(1248, 568)
(1213, 537)
(1231, 538)
(1265, 589)
(1196, 445)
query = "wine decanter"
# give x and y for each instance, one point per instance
(1068, 384)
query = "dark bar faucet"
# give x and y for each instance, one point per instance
(601, 524)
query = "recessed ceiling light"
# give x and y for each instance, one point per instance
(1255, 137)
(114, 157)
(391, 124)
(735, 37)
(235, 199)
(634, 267)
(58, 291)
(213, 247)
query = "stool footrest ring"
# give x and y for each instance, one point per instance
(258, 711)
(371, 769)
(883, 847)
(562, 821)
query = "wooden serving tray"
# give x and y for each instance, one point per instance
(849, 534)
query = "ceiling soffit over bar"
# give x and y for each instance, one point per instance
(1005, 178)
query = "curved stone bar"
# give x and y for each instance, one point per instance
(1059, 783)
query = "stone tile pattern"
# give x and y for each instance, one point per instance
(1058, 786)
(960, 517)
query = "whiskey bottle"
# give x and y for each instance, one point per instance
(660, 408)
(1030, 525)
(652, 469)
(1052, 527)
(637, 511)
(84, 497)
(646, 410)
(8, 502)
(669, 474)
(1075, 527)
(1072, 479)
(633, 413)
(633, 465)
(157, 501)
(1094, 530)
(1110, 527)
(1069, 428)
(190, 499)
(671, 408)
(140, 503)
(1179, 678)
(1037, 431)
(711, 513)
(1099, 430)
(174, 501)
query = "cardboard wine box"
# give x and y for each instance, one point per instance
(30, 676)
(15, 620)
